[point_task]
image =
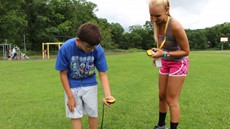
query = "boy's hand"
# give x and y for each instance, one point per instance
(109, 100)
(71, 104)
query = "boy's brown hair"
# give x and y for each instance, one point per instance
(89, 33)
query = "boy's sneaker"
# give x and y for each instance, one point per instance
(160, 127)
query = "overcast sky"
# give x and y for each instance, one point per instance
(192, 14)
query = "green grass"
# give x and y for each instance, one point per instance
(31, 95)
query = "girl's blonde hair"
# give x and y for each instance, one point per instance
(165, 5)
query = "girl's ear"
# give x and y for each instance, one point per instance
(167, 10)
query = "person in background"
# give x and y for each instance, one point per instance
(172, 52)
(77, 60)
(45, 54)
(9, 54)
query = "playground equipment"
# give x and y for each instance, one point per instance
(46, 51)
(5, 51)
(12, 53)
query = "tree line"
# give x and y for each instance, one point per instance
(42, 21)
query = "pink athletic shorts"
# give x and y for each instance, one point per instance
(174, 68)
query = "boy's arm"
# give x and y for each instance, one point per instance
(65, 83)
(106, 87)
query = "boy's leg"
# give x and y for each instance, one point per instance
(91, 106)
(78, 110)
(93, 122)
(76, 123)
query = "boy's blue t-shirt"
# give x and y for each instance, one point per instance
(80, 65)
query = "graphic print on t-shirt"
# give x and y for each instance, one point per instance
(82, 67)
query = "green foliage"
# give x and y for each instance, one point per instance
(12, 21)
(197, 39)
(208, 37)
(58, 20)
(42, 20)
(105, 33)
(32, 95)
(117, 32)
(148, 41)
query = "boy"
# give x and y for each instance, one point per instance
(77, 59)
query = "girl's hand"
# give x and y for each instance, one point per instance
(159, 53)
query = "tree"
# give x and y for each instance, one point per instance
(197, 39)
(12, 21)
(105, 33)
(126, 41)
(116, 33)
(148, 41)
(48, 20)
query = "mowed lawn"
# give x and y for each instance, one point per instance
(31, 95)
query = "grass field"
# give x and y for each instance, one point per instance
(31, 95)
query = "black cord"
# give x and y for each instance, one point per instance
(102, 118)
